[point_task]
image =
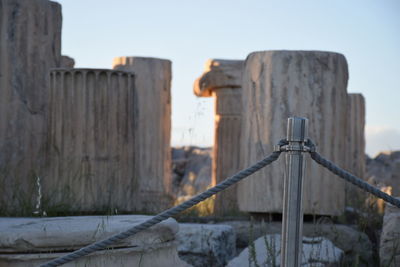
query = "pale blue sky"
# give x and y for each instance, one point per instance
(189, 32)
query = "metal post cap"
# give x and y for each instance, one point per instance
(297, 128)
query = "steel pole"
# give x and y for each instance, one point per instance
(292, 225)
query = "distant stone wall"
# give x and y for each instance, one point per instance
(280, 84)
(30, 44)
(384, 171)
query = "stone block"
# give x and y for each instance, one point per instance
(27, 242)
(30, 41)
(206, 244)
(153, 133)
(280, 84)
(265, 251)
(356, 245)
(94, 128)
(222, 79)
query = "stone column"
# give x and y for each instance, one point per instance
(153, 137)
(356, 147)
(30, 44)
(222, 79)
(93, 132)
(280, 84)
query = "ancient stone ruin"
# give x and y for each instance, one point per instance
(99, 146)
(222, 79)
(355, 146)
(97, 141)
(153, 247)
(153, 131)
(25, 60)
(355, 134)
(309, 84)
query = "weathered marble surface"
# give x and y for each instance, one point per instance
(94, 163)
(356, 245)
(317, 251)
(25, 237)
(222, 80)
(153, 127)
(389, 248)
(280, 84)
(206, 244)
(30, 44)
(155, 256)
(61, 233)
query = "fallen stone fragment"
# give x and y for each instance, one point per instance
(389, 250)
(206, 244)
(356, 245)
(265, 251)
(26, 242)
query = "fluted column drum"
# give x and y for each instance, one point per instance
(93, 127)
(280, 84)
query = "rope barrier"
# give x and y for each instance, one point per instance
(166, 214)
(281, 147)
(350, 177)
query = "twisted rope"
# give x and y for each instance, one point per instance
(165, 214)
(351, 178)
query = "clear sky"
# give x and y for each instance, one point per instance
(188, 32)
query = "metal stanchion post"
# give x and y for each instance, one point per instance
(292, 225)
